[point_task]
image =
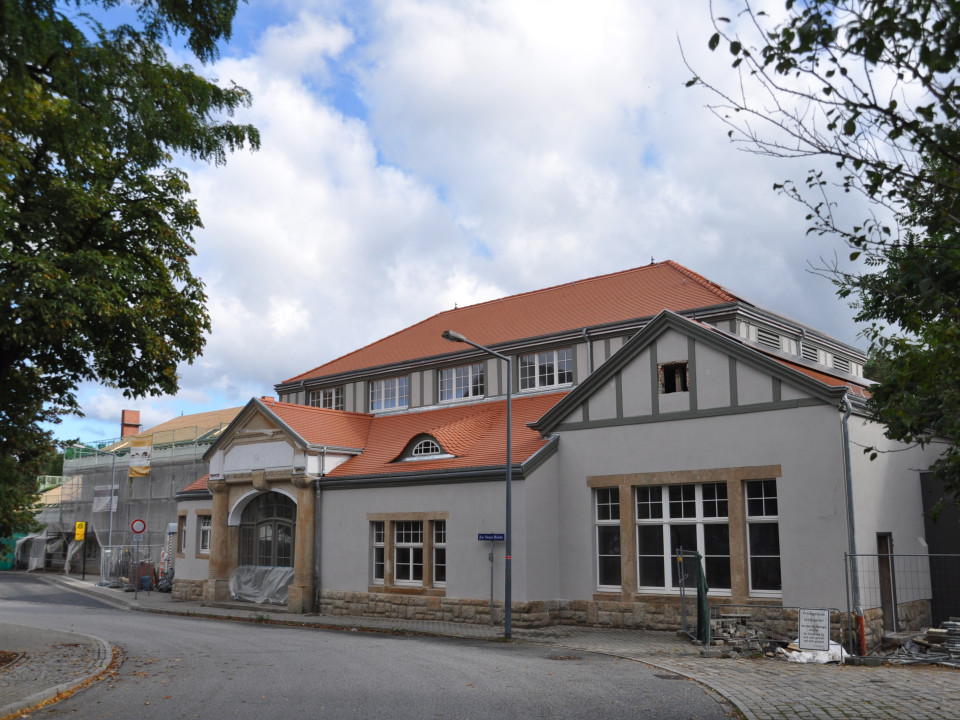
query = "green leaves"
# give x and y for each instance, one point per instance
(96, 226)
(833, 76)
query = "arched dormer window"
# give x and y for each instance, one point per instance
(424, 447)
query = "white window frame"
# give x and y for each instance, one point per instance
(439, 552)
(390, 393)
(205, 530)
(690, 511)
(768, 503)
(330, 398)
(462, 382)
(542, 374)
(607, 516)
(408, 540)
(378, 561)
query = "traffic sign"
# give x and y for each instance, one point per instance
(138, 526)
(490, 537)
(80, 532)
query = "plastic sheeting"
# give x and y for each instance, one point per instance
(834, 655)
(261, 584)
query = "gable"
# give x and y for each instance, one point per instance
(677, 369)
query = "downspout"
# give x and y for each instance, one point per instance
(316, 531)
(589, 342)
(851, 526)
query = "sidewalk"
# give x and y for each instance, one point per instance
(760, 689)
(49, 662)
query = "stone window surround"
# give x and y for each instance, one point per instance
(389, 585)
(203, 554)
(735, 478)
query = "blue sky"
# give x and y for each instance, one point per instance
(419, 154)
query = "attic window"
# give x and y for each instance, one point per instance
(674, 377)
(424, 448)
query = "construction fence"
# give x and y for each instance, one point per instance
(901, 595)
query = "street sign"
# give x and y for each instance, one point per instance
(490, 537)
(138, 526)
(80, 532)
(813, 631)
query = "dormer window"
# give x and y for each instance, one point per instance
(427, 446)
(424, 447)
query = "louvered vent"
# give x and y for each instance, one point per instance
(810, 353)
(841, 364)
(765, 337)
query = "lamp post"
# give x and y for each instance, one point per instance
(507, 578)
(113, 483)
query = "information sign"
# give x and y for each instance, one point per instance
(814, 629)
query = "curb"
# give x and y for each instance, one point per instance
(104, 659)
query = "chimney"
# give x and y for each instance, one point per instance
(129, 422)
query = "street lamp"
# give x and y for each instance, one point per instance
(507, 577)
(113, 484)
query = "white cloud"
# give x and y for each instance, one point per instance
(500, 146)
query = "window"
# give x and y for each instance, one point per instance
(390, 393)
(674, 377)
(330, 398)
(378, 552)
(206, 523)
(763, 536)
(439, 553)
(267, 530)
(608, 538)
(465, 381)
(546, 369)
(181, 534)
(688, 517)
(408, 552)
(427, 446)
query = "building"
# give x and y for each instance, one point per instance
(655, 414)
(99, 489)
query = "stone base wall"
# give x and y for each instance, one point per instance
(654, 613)
(187, 589)
(912, 616)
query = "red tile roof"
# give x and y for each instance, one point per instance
(475, 434)
(853, 388)
(197, 485)
(627, 295)
(322, 426)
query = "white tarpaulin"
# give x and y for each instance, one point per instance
(261, 584)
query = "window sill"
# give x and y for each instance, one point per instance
(407, 590)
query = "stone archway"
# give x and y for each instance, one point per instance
(268, 527)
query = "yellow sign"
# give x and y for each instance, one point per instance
(80, 532)
(140, 450)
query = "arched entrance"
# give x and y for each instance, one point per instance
(268, 528)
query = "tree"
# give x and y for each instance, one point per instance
(96, 222)
(868, 90)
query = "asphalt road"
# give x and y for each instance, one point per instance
(175, 667)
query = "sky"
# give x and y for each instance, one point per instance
(419, 155)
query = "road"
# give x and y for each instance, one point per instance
(180, 667)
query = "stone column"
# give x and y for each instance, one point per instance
(216, 588)
(301, 594)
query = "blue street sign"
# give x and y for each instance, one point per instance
(490, 537)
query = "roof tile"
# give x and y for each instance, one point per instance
(618, 297)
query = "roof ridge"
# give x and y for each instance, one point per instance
(340, 413)
(701, 280)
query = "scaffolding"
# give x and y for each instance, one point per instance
(97, 489)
